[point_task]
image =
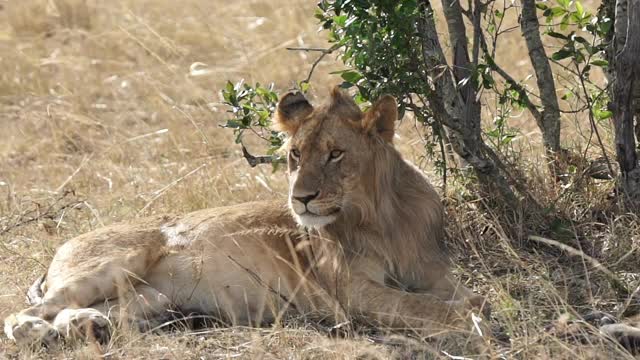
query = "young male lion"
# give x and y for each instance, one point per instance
(361, 236)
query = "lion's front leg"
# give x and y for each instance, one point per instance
(447, 288)
(397, 309)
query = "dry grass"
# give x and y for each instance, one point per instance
(100, 98)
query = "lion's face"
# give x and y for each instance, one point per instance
(331, 151)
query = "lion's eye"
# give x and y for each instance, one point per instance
(295, 154)
(336, 155)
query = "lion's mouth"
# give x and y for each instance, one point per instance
(311, 219)
(328, 213)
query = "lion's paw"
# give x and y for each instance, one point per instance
(30, 330)
(83, 323)
(467, 315)
(480, 305)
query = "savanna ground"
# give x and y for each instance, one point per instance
(111, 111)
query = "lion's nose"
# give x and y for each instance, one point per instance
(305, 199)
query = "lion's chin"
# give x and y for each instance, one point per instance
(316, 221)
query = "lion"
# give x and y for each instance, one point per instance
(360, 236)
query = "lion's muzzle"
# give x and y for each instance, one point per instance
(312, 211)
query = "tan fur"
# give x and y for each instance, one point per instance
(370, 245)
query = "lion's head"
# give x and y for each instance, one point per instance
(331, 154)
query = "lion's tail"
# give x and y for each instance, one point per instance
(36, 292)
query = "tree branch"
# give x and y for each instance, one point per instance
(626, 71)
(324, 52)
(544, 77)
(261, 159)
(459, 42)
(451, 109)
(512, 82)
(627, 74)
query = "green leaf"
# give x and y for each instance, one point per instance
(567, 96)
(346, 85)
(554, 12)
(491, 28)
(495, 133)
(351, 76)
(579, 8)
(233, 124)
(540, 6)
(487, 80)
(605, 25)
(600, 62)
(359, 99)
(562, 54)
(580, 39)
(557, 35)
(263, 117)
(602, 114)
(564, 23)
(340, 20)
(507, 138)
(238, 136)
(304, 87)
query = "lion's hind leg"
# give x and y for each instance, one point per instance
(63, 309)
(32, 326)
(143, 307)
(83, 323)
(80, 309)
(37, 325)
(60, 313)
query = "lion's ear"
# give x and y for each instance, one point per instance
(381, 117)
(292, 109)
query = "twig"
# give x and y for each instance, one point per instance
(261, 159)
(85, 159)
(158, 193)
(49, 213)
(512, 82)
(594, 126)
(323, 53)
(618, 285)
(307, 49)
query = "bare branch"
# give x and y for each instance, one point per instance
(309, 49)
(512, 82)
(592, 121)
(58, 206)
(615, 282)
(261, 159)
(324, 52)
